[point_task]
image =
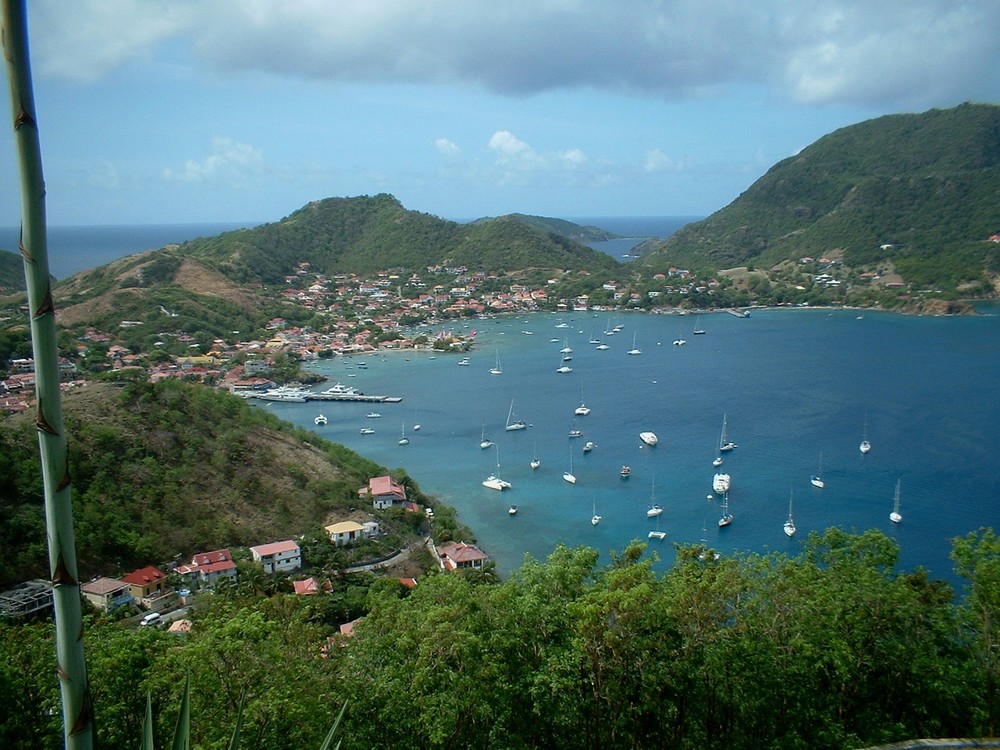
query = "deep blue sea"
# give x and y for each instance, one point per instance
(792, 384)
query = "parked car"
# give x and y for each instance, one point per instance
(153, 618)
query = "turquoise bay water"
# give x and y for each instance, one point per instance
(793, 385)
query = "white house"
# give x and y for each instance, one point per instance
(278, 556)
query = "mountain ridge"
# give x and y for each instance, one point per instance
(895, 188)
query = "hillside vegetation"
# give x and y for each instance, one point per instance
(919, 191)
(829, 649)
(170, 469)
(371, 233)
(11, 273)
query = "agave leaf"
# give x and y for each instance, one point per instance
(147, 725)
(234, 741)
(182, 733)
(333, 731)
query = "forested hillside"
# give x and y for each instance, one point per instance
(11, 273)
(917, 190)
(163, 471)
(833, 648)
(370, 233)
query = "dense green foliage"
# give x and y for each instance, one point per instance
(923, 184)
(560, 227)
(11, 272)
(832, 648)
(371, 233)
(170, 469)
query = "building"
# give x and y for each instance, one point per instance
(149, 587)
(384, 492)
(461, 556)
(107, 594)
(26, 599)
(278, 556)
(207, 568)
(344, 532)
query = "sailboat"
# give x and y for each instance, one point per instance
(485, 442)
(496, 369)
(725, 444)
(595, 519)
(569, 476)
(634, 350)
(567, 349)
(493, 481)
(865, 445)
(656, 533)
(697, 328)
(582, 410)
(817, 478)
(516, 424)
(654, 509)
(403, 440)
(727, 517)
(535, 462)
(563, 367)
(705, 551)
(789, 524)
(895, 516)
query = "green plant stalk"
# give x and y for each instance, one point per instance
(70, 664)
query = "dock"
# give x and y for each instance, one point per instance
(354, 397)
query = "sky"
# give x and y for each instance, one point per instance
(187, 111)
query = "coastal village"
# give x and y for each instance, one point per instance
(361, 315)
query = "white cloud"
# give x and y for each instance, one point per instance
(657, 161)
(86, 39)
(448, 148)
(514, 155)
(228, 159)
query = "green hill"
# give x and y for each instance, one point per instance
(917, 190)
(171, 469)
(561, 227)
(11, 273)
(370, 233)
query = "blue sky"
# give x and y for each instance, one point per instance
(190, 111)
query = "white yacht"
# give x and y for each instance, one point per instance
(649, 438)
(721, 483)
(320, 420)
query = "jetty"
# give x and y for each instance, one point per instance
(354, 397)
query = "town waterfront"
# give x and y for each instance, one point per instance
(792, 383)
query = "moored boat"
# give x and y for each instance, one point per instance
(649, 438)
(721, 483)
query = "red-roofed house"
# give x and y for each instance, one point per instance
(206, 568)
(278, 556)
(384, 491)
(459, 555)
(150, 587)
(311, 586)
